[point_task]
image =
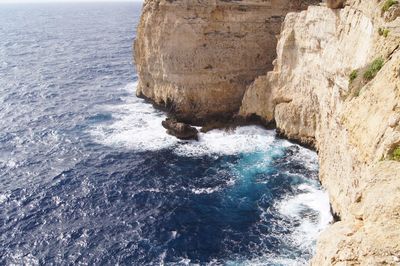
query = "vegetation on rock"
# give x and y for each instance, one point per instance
(388, 4)
(373, 68)
(383, 32)
(395, 154)
(353, 75)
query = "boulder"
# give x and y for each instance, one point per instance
(180, 130)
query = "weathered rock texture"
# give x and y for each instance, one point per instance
(354, 127)
(180, 130)
(196, 57)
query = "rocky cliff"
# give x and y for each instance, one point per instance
(197, 57)
(336, 85)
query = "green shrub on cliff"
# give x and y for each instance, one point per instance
(388, 4)
(383, 32)
(396, 154)
(373, 68)
(353, 75)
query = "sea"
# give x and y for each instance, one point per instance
(88, 175)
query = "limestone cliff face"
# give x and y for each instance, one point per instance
(197, 57)
(354, 125)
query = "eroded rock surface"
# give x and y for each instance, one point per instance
(180, 130)
(198, 57)
(354, 127)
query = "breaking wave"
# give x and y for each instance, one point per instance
(303, 207)
(89, 176)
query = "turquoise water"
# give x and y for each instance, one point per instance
(88, 175)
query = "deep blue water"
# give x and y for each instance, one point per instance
(88, 175)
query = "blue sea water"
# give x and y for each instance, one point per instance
(88, 175)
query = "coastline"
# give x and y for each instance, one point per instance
(308, 97)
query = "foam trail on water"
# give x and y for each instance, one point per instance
(294, 208)
(305, 235)
(240, 140)
(136, 126)
(267, 260)
(308, 158)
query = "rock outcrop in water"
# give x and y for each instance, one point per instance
(180, 130)
(197, 57)
(335, 85)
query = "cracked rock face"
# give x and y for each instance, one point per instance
(197, 57)
(353, 126)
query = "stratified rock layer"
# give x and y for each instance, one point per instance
(355, 127)
(197, 57)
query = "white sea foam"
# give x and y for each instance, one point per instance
(267, 260)
(294, 207)
(11, 164)
(205, 190)
(3, 198)
(18, 257)
(241, 140)
(306, 233)
(174, 234)
(308, 158)
(137, 126)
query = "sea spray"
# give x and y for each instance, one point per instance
(88, 175)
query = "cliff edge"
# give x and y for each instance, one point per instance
(336, 85)
(196, 58)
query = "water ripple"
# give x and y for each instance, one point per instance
(88, 175)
